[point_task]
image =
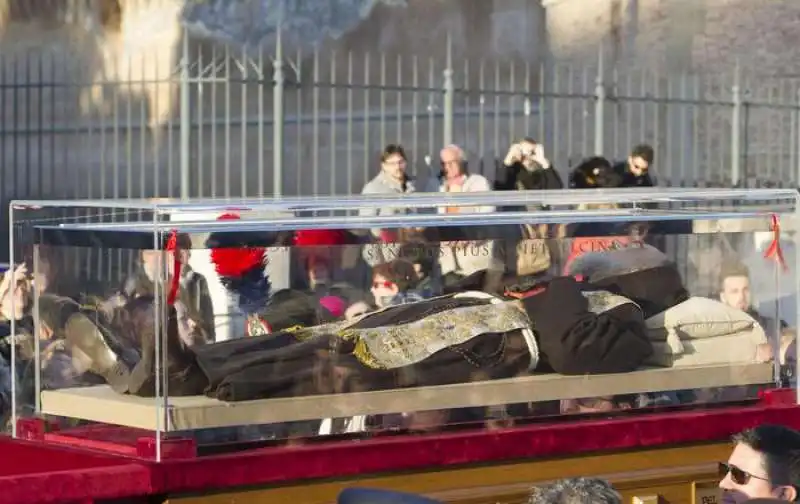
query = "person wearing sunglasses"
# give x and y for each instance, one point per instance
(635, 171)
(765, 463)
(395, 283)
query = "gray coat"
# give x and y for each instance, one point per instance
(382, 184)
(377, 253)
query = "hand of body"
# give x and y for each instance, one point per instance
(14, 289)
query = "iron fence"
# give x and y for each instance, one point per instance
(214, 121)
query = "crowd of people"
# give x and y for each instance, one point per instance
(436, 289)
(524, 167)
(763, 468)
(380, 309)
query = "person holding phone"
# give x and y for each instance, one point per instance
(526, 168)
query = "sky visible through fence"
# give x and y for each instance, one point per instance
(239, 124)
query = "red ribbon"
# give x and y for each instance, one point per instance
(526, 294)
(774, 250)
(172, 246)
(388, 236)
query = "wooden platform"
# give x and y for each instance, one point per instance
(101, 404)
(675, 475)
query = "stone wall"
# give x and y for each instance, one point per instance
(102, 91)
(90, 102)
(701, 35)
(92, 90)
(689, 50)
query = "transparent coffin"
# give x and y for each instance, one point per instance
(271, 320)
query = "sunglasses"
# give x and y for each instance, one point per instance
(378, 285)
(738, 476)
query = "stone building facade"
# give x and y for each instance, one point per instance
(92, 87)
(702, 35)
(708, 53)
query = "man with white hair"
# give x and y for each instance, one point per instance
(455, 177)
(576, 491)
(463, 255)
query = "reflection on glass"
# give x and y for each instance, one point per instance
(259, 333)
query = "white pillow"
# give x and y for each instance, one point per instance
(699, 317)
(738, 348)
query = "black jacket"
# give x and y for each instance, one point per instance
(628, 179)
(296, 363)
(573, 340)
(517, 177)
(655, 289)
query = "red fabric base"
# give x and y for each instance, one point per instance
(338, 460)
(34, 473)
(60, 475)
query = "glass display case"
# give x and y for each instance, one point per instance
(218, 323)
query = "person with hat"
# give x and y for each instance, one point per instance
(240, 260)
